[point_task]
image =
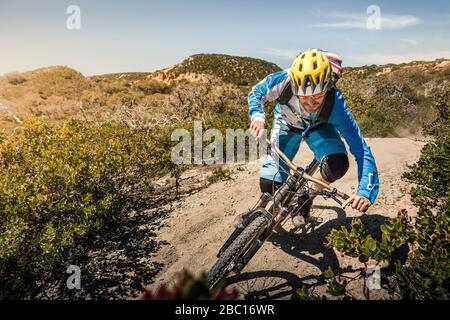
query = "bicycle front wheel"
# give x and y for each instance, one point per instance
(236, 250)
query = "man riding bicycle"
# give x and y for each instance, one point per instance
(310, 107)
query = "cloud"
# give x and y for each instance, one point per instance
(399, 22)
(384, 58)
(286, 54)
(359, 21)
(412, 42)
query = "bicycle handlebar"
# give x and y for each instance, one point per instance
(303, 174)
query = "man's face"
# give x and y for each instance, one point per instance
(312, 103)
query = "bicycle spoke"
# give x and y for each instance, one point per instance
(262, 285)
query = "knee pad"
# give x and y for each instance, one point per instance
(334, 167)
(269, 186)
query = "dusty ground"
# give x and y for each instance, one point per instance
(200, 224)
(153, 244)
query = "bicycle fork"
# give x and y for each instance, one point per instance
(248, 217)
(259, 242)
(259, 208)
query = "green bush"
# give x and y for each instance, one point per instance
(15, 78)
(241, 71)
(152, 87)
(393, 102)
(359, 244)
(219, 174)
(374, 121)
(59, 186)
(432, 172)
(426, 275)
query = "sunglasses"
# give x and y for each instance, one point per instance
(314, 98)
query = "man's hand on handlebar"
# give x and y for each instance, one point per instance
(257, 129)
(357, 202)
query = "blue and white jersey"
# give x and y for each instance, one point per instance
(270, 89)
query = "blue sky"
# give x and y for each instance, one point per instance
(119, 36)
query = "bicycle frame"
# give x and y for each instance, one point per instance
(280, 199)
(299, 172)
(243, 243)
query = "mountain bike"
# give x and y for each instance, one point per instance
(268, 214)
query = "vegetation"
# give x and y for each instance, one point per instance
(426, 275)
(241, 71)
(219, 174)
(69, 171)
(60, 186)
(394, 100)
(391, 100)
(188, 287)
(15, 78)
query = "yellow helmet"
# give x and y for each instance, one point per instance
(310, 73)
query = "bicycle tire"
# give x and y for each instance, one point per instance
(218, 270)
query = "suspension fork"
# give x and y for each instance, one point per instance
(280, 200)
(285, 196)
(282, 197)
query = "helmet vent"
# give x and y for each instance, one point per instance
(310, 72)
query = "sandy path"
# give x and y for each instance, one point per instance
(201, 223)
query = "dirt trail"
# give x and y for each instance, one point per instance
(200, 224)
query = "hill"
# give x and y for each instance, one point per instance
(65, 181)
(388, 100)
(52, 93)
(394, 100)
(242, 71)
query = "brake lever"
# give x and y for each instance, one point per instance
(334, 193)
(331, 194)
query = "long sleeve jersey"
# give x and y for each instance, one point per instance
(270, 89)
